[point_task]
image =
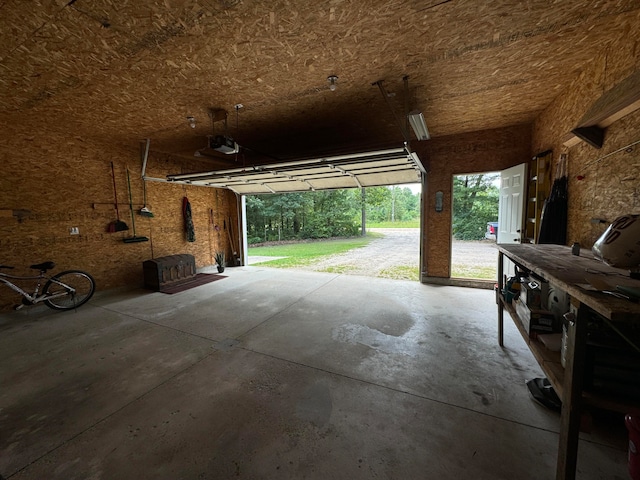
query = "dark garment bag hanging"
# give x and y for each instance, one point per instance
(553, 220)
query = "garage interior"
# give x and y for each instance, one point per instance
(267, 374)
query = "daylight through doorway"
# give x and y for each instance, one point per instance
(474, 226)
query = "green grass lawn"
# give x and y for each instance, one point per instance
(402, 272)
(473, 272)
(404, 224)
(304, 253)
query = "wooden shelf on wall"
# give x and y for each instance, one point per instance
(19, 214)
(614, 104)
(112, 206)
(538, 189)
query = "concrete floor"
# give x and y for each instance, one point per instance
(280, 374)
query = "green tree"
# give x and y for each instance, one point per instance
(292, 216)
(404, 204)
(378, 204)
(256, 219)
(332, 214)
(411, 203)
(475, 202)
(387, 204)
(325, 214)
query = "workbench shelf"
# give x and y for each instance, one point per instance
(551, 365)
(548, 360)
(556, 265)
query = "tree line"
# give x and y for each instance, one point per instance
(326, 214)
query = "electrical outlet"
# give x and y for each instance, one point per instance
(74, 231)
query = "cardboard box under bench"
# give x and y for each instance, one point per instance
(536, 321)
(534, 293)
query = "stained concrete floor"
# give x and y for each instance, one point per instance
(280, 374)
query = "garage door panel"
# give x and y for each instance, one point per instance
(341, 182)
(389, 178)
(383, 167)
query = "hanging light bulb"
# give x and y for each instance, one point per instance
(192, 121)
(333, 80)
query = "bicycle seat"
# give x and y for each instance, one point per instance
(44, 266)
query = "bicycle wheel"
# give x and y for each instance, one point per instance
(76, 286)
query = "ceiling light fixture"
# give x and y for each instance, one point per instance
(237, 106)
(192, 121)
(419, 126)
(333, 80)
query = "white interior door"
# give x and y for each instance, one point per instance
(511, 206)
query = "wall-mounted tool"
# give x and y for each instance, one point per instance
(117, 225)
(135, 238)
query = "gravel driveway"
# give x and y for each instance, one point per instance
(397, 251)
(396, 255)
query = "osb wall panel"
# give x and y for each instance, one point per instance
(602, 184)
(53, 182)
(486, 151)
(604, 187)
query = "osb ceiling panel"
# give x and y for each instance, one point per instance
(122, 71)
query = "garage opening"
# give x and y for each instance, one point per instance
(327, 197)
(474, 226)
(373, 231)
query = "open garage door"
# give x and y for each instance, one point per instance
(369, 169)
(377, 168)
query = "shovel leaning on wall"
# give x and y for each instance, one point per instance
(134, 239)
(117, 225)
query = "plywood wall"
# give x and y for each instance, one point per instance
(602, 184)
(51, 183)
(485, 151)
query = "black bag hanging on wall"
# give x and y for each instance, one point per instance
(553, 221)
(188, 221)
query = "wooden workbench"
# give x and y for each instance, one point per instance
(556, 264)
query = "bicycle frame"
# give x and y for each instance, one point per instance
(34, 298)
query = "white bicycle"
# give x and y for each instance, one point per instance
(64, 291)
